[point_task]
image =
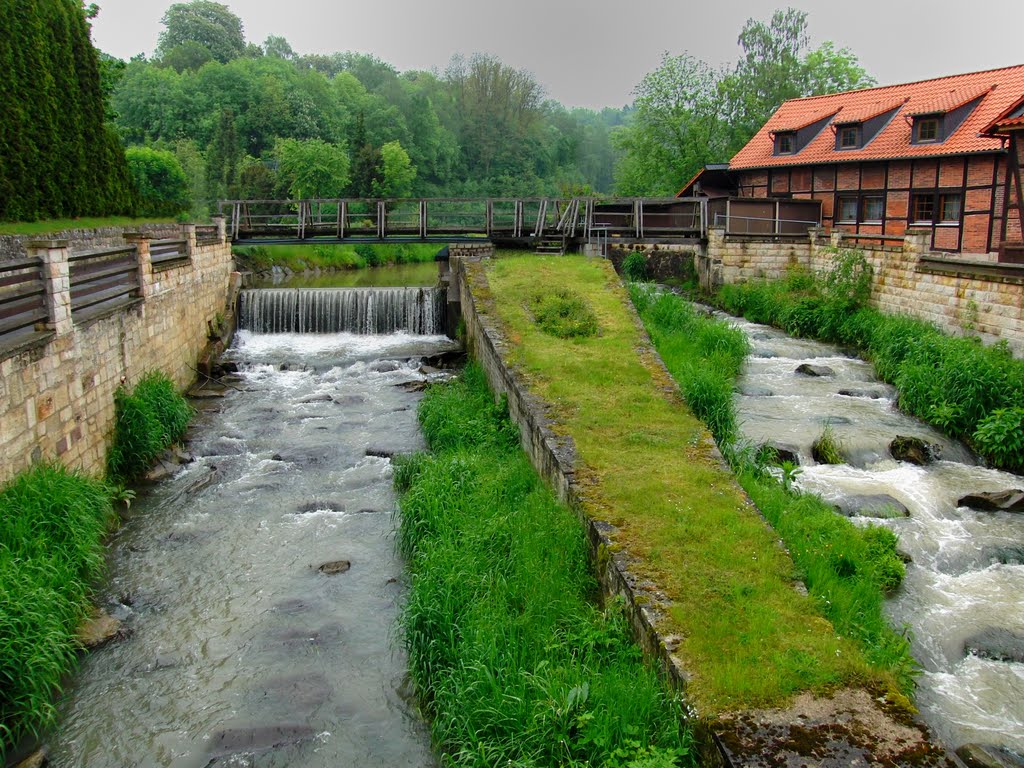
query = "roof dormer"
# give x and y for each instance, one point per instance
(790, 139)
(934, 121)
(855, 128)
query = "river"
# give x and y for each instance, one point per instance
(966, 577)
(242, 652)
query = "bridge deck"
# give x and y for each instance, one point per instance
(526, 221)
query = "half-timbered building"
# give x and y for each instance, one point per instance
(940, 154)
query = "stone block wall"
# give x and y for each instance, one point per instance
(664, 261)
(960, 295)
(57, 391)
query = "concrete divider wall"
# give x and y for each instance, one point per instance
(554, 457)
(57, 392)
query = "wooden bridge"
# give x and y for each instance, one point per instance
(550, 223)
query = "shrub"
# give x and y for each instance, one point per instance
(368, 254)
(827, 449)
(634, 266)
(1000, 436)
(563, 313)
(161, 181)
(146, 421)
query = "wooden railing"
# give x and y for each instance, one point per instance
(207, 234)
(103, 280)
(165, 254)
(22, 299)
(514, 219)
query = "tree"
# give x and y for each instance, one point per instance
(222, 157)
(190, 55)
(277, 47)
(161, 181)
(776, 66)
(677, 128)
(312, 168)
(209, 24)
(397, 172)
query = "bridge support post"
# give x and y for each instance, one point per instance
(141, 243)
(57, 277)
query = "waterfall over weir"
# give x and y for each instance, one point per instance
(343, 310)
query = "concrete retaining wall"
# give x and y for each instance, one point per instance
(57, 390)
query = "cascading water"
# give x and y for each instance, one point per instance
(243, 650)
(966, 577)
(342, 310)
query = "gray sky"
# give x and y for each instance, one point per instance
(591, 53)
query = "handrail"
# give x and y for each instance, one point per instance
(22, 297)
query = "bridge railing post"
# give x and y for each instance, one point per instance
(145, 261)
(57, 278)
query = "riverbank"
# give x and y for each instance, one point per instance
(511, 667)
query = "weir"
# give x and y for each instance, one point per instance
(343, 310)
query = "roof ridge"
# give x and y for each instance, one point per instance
(902, 85)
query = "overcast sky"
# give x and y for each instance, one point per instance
(592, 53)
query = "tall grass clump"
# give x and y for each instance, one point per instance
(52, 522)
(512, 658)
(954, 383)
(147, 419)
(847, 569)
(563, 313)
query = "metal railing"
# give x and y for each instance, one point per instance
(23, 309)
(103, 280)
(727, 220)
(207, 234)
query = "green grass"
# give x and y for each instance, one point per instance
(749, 638)
(51, 226)
(847, 569)
(51, 527)
(954, 383)
(563, 313)
(261, 258)
(514, 662)
(147, 420)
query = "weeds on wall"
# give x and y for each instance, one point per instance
(52, 523)
(147, 420)
(563, 313)
(954, 383)
(514, 669)
(847, 569)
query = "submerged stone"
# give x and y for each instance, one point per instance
(809, 369)
(335, 567)
(914, 450)
(100, 629)
(986, 756)
(997, 644)
(877, 505)
(995, 501)
(260, 738)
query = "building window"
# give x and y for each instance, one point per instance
(923, 208)
(784, 144)
(949, 208)
(872, 208)
(928, 129)
(847, 210)
(849, 137)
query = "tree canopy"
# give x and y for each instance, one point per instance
(202, 23)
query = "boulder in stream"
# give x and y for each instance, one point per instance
(99, 629)
(261, 738)
(995, 501)
(997, 644)
(36, 760)
(335, 567)
(783, 453)
(809, 369)
(877, 505)
(914, 450)
(872, 394)
(986, 756)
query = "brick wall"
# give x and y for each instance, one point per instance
(57, 392)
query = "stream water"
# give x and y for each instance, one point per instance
(242, 652)
(966, 577)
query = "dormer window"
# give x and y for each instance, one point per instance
(849, 137)
(927, 129)
(785, 143)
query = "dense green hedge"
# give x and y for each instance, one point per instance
(52, 524)
(969, 391)
(513, 660)
(57, 158)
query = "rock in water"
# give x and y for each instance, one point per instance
(1005, 501)
(809, 369)
(880, 505)
(997, 644)
(335, 567)
(985, 756)
(36, 760)
(914, 450)
(100, 629)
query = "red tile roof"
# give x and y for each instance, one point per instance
(999, 90)
(859, 115)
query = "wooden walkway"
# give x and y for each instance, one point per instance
(531, 222)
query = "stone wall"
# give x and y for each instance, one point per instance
(57, 389)
(960, 295)
(665, 262)
(13, 246)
